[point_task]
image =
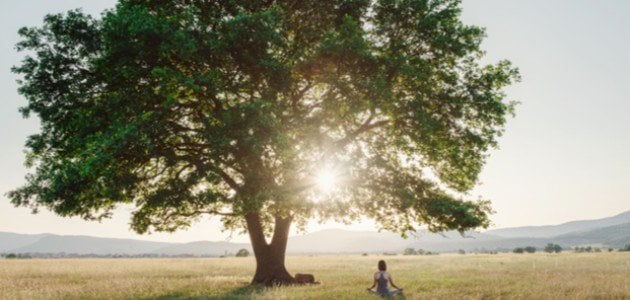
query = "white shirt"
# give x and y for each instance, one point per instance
(377, 275)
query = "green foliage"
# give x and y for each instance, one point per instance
(461, 251)
(626, 248)
(16, 256)
(553, 248)
(587, 249)
(188, 108)
(242, 253)
(528, 249)
(410, 251)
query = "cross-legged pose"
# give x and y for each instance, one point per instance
(381, 278)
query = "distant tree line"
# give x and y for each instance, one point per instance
(587, 249)
(549, 248)
(528, 249)
(412, 251)
(486, 251)
(16, 256)
(553, 248)
(92, 255)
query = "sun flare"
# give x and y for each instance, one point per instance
(326, 181)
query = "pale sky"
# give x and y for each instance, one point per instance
(563, 157)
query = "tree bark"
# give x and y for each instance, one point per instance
(270, 269)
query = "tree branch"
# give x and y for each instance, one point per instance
(256, 234)
(217, 170)
(228, 179)
(196, 213)
(296, 97)
(281, 232)
(365, 127)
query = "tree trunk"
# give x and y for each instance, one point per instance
(270, 269)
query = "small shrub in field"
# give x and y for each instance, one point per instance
(364, 254)
(625, 248)
(530, 249)
(583, 249)
(242, 253)
(461, 251)
(17, 256)
(553, 248)
(410, 251)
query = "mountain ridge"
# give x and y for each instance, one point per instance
(563, 228)
(598, 232)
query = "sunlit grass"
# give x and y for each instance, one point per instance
(567, 275)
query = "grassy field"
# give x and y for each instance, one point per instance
(531, 276)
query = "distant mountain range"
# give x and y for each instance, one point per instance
(565, 228)
(607, 232)
(87, 245)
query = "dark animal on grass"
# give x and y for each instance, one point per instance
(305, 279)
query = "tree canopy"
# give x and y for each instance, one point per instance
(191, 108)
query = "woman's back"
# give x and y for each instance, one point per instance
(381, 277)
(381, 281)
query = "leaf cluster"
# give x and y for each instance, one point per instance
(185, 108)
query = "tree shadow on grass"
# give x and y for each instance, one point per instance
(244, 292)
(247, 292)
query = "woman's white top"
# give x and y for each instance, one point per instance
(377, 275)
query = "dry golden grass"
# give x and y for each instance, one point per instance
(526, 276)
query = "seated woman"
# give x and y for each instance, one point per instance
(381, 278)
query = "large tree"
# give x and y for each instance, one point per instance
(246, 109)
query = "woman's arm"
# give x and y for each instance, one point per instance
(391, 281)
(373, 285)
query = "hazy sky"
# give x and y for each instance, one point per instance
(563, 157)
